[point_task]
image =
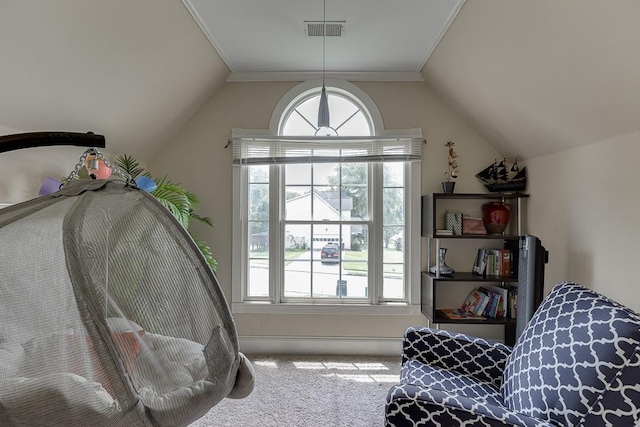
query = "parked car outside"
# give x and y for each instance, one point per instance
(330, 253)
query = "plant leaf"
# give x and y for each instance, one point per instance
(173, 196)
(202, 219)
(206, 251)
(129, 165)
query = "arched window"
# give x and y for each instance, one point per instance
(325, 212)
(348, 116)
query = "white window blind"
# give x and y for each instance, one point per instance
(256, 149)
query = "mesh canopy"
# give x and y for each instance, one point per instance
(109, 314)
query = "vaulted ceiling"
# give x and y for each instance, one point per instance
(534, 77)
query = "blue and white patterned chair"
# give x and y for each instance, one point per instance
(577, 363)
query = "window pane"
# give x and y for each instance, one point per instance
(393, 174)
(258, 239)
(259, 202)
(326, 174)
(355, 266)
(309, 109)
(355, 182)
(298, 174)
(258, 232)
(326, 276)
(340, 110)
(297, 125)
(393, 267)
(393, 206)
(357, 125)
(393, 285)
(298, 202)
(359, 237)
(258, 278)
(393, 231)
(258, 285)
(297, 241)
(259, 174)
(258, 195)
(324, 234)
(327, 204)
(297, 279)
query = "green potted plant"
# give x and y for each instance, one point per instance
(180, 202)
(452, 169)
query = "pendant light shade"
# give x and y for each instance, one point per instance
(323, 110)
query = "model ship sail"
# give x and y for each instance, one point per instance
(502, 177)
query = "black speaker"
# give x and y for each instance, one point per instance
(531, 260)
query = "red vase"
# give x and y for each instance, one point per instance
(495, 216)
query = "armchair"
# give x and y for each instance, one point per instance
(576, 363)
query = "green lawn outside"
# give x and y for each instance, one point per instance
(263, 257)
(357, 261)
(353, 261)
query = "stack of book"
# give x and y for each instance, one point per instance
(493, 262)
(487, 301)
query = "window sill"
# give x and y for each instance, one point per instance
(258, 307)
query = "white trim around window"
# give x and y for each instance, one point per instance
(267, 154)
(275, 304)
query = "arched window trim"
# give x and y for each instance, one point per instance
(252, 146)
(244, 142)
(310, 88)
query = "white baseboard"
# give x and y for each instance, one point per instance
(342, 346)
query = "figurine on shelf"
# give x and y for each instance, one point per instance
(452, 170)
(442, 266)
(502, 177)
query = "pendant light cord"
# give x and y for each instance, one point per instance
(324, 37)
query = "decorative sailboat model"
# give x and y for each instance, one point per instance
(500, 177)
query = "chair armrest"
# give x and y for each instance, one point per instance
(409, 404)
(481, 359)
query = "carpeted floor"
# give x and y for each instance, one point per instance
(311, 391)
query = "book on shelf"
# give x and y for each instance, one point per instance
(488, 301)
(513, 302)
(460, 314)
(506, 257)
(491, 310)
(475, 302)
(444, 232)
(493, 262)
(504, 300)
(480, 264)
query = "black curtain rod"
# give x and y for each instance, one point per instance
(49, 139)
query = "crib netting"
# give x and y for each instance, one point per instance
(109, 314)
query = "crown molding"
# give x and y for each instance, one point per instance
(300, 76)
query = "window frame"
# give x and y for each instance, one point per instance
(374, 304)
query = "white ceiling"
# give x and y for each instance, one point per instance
(257, 36)
(533, 77)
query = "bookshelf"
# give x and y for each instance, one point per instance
(434, 207)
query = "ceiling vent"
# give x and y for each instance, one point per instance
(316, 28)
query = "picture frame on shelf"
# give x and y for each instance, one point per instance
(472, 225)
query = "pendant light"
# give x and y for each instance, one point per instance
(323, 111)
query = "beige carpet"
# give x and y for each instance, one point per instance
(311, 391)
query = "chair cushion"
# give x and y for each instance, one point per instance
(433, 377)
(568, 356)
(412, 405)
